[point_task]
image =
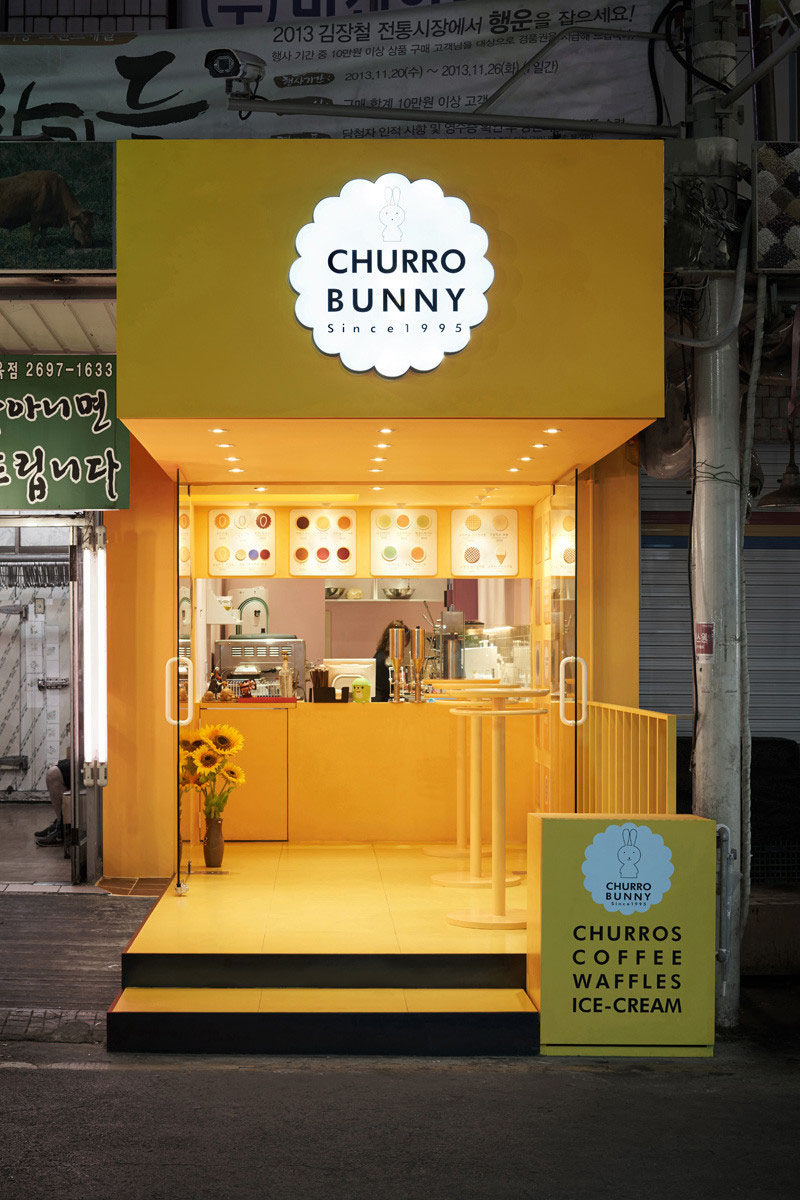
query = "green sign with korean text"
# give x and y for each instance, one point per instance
(61, 445)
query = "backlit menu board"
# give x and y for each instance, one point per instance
(322, 541)
(241, 542)
(484, 542)
(403, 542)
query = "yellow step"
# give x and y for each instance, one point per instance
(322, 1000)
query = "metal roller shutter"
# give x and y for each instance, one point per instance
(773, 618)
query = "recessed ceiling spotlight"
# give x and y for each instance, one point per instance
(513, 468)
(386, 429)
(232, 458)
(376, 470)
(224, 445)
(540, 445)
(552, 430)
(236, 470)
(377, 488)
(259, 489)
(525, 458)
(383, 446)
(217, 429)
(378, 459)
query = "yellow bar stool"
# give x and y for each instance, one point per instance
(503, 703)
(447, 691)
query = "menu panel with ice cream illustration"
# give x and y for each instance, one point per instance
(484, 542)
(241, 542)
(403, 542)
(322, 541)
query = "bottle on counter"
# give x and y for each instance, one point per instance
(286, 677)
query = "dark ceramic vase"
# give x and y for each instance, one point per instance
(213, 844)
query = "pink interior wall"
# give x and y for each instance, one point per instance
(298, 606)
(465, 598)
(295, 606)
(357, 625)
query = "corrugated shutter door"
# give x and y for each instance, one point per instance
(665, 663)
(773, 619)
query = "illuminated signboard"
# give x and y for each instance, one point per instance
(621, 933)
(391, 275)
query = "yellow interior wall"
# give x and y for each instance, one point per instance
(139, 801)
(214, 224)
(200, 566)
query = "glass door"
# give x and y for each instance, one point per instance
(180, 674)
(554, 622)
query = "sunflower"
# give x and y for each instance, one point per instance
(223, 738)
(233, 775)
(208, 761)
(192, 740)
(187, 771)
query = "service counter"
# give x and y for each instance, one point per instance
(358, 773)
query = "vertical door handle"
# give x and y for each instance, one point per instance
(171, 662)
(190, 691)
(562, 689)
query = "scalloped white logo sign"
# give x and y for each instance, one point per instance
(391, 275)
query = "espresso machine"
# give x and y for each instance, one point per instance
(260, 659)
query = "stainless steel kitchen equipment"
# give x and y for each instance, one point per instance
(260, 658)
(452, 656)
(397, 647)
(449, 644)
(418, 650)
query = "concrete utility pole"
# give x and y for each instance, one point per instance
(716, 540)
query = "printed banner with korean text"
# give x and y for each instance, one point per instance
(61, 445)
(443, 59)
(228, 14)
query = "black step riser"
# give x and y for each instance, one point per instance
(324, 971)
(430, 1034)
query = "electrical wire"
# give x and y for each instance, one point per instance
(676, 54)
(732, 324)
(651, 59)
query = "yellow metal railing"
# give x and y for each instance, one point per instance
(626, 761)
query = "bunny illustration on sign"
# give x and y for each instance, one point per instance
(392, 216)
(629, 854)
(631, 877)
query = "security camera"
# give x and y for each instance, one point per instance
(242, 71)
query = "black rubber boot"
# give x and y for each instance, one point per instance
(54, 838)
(48, 829)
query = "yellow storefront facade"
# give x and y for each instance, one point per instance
(373, 368)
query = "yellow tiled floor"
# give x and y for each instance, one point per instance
(294, 899)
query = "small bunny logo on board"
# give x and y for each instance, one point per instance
(629, 855)
(627, 868)
(392, 216)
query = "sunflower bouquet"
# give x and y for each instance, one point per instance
(206, 765)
